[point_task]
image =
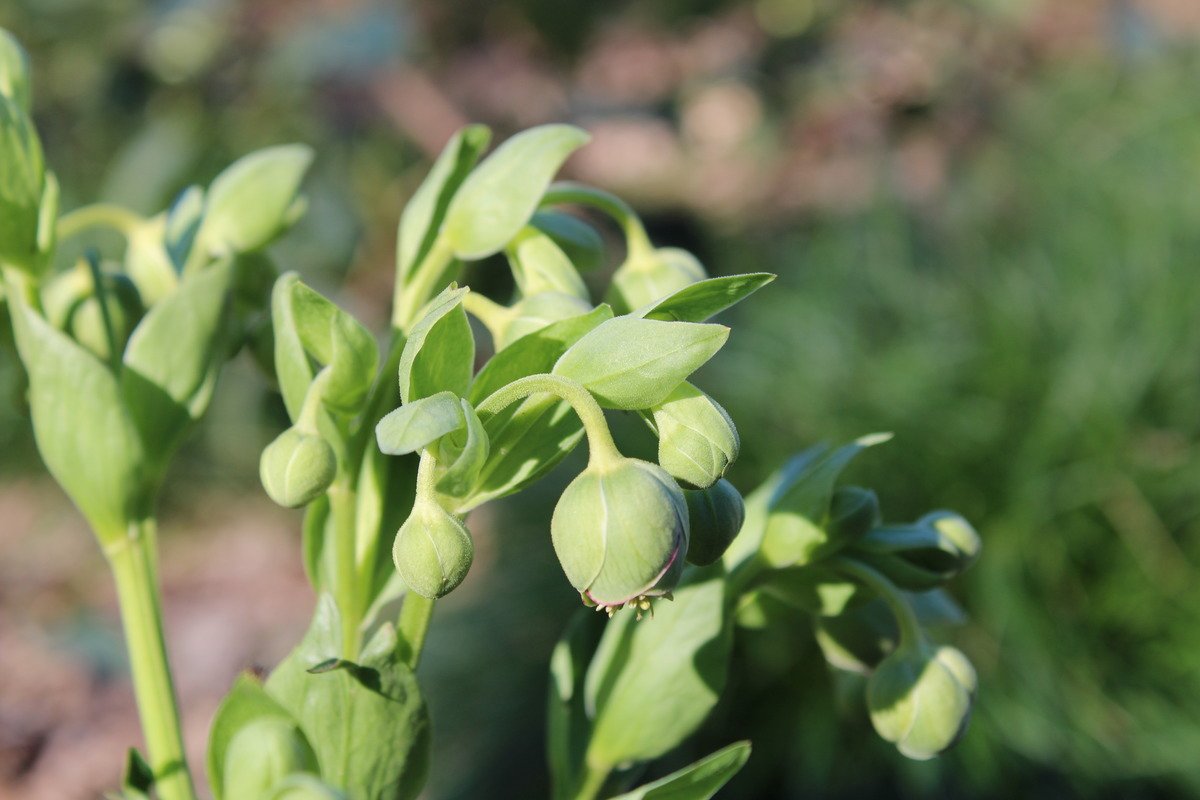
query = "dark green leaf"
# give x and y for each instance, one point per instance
(702, 300)
(698, 781)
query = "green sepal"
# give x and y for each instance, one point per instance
(697, 781)
(439, 353)
(629, 363)
(500, 196)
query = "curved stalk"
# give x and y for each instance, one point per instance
(636, 239)
(906, 618)
(602, 449)
(98, 215)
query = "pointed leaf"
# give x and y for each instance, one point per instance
(500, 196)
(415, 425)
(698, 781)
(253, 200)
(246, 702)
(701, 300)
(631, 363)
(422, 217)
(439, 354)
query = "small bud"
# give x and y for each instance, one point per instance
(696, 438)
(955, 528)
(651, 277)
(853, 511)
(715, 515)
(539, 310)
(620, 532)
(433, 550)
(262, 754)
(297, 468)
(924, 555)
(920, 699)
(117, 307)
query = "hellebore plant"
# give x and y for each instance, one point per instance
(390, 449)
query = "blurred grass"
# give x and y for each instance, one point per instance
(1026, 327)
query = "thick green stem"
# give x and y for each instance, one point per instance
(602, 450)
(636, 239)
(906, 618)
(412, 626)
(134, 571)
(593, 781)
(346, 588)
(99, 215)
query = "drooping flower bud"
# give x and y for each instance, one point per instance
(644, 279)
(297, 468)
(924, 555)
(620, 531)
(920, 699)
(433, 550)
(955, 528)
(116, 308)
(853, 511)
(537, 311)
(697, 440)
(262, 754)
(715, 515)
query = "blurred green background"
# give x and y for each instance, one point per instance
(985, 217)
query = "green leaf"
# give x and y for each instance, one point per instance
(580, 241)
(464, 455)
(799, 508)
(254, 199)
(14, 71)
(534, 353)
(439, 355)
(173, 358)
(540, 265)
(526, 441)
(419, 423)
(698, 781)
(137, 781)
(366, 720)
(702, 300)
(422, 217)
(651, 683)
(500, 196)
(82, 429)
(22, 178)
(630, 363)
(246, 702)
(567, 724)
(304, 787)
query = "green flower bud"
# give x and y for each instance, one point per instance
(853, 511)
(14, 71)
(920, 699)
(696, 438)
(537, 311)
(22, 182)
(433, 550)
(297, 468)
(262, 754)
(620, 531)
(642, 280)
(116, 309)
(921, 556)
(715, 515)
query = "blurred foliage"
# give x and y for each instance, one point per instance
(985, 220)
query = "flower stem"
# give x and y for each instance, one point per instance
(636, 239)
(346, 586)
(133, 568)
(602, 450)
(98, 215)
(412, 626)
(906, 618)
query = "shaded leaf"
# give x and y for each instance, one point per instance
(418, 424)
(698, 781)
(703, 299)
